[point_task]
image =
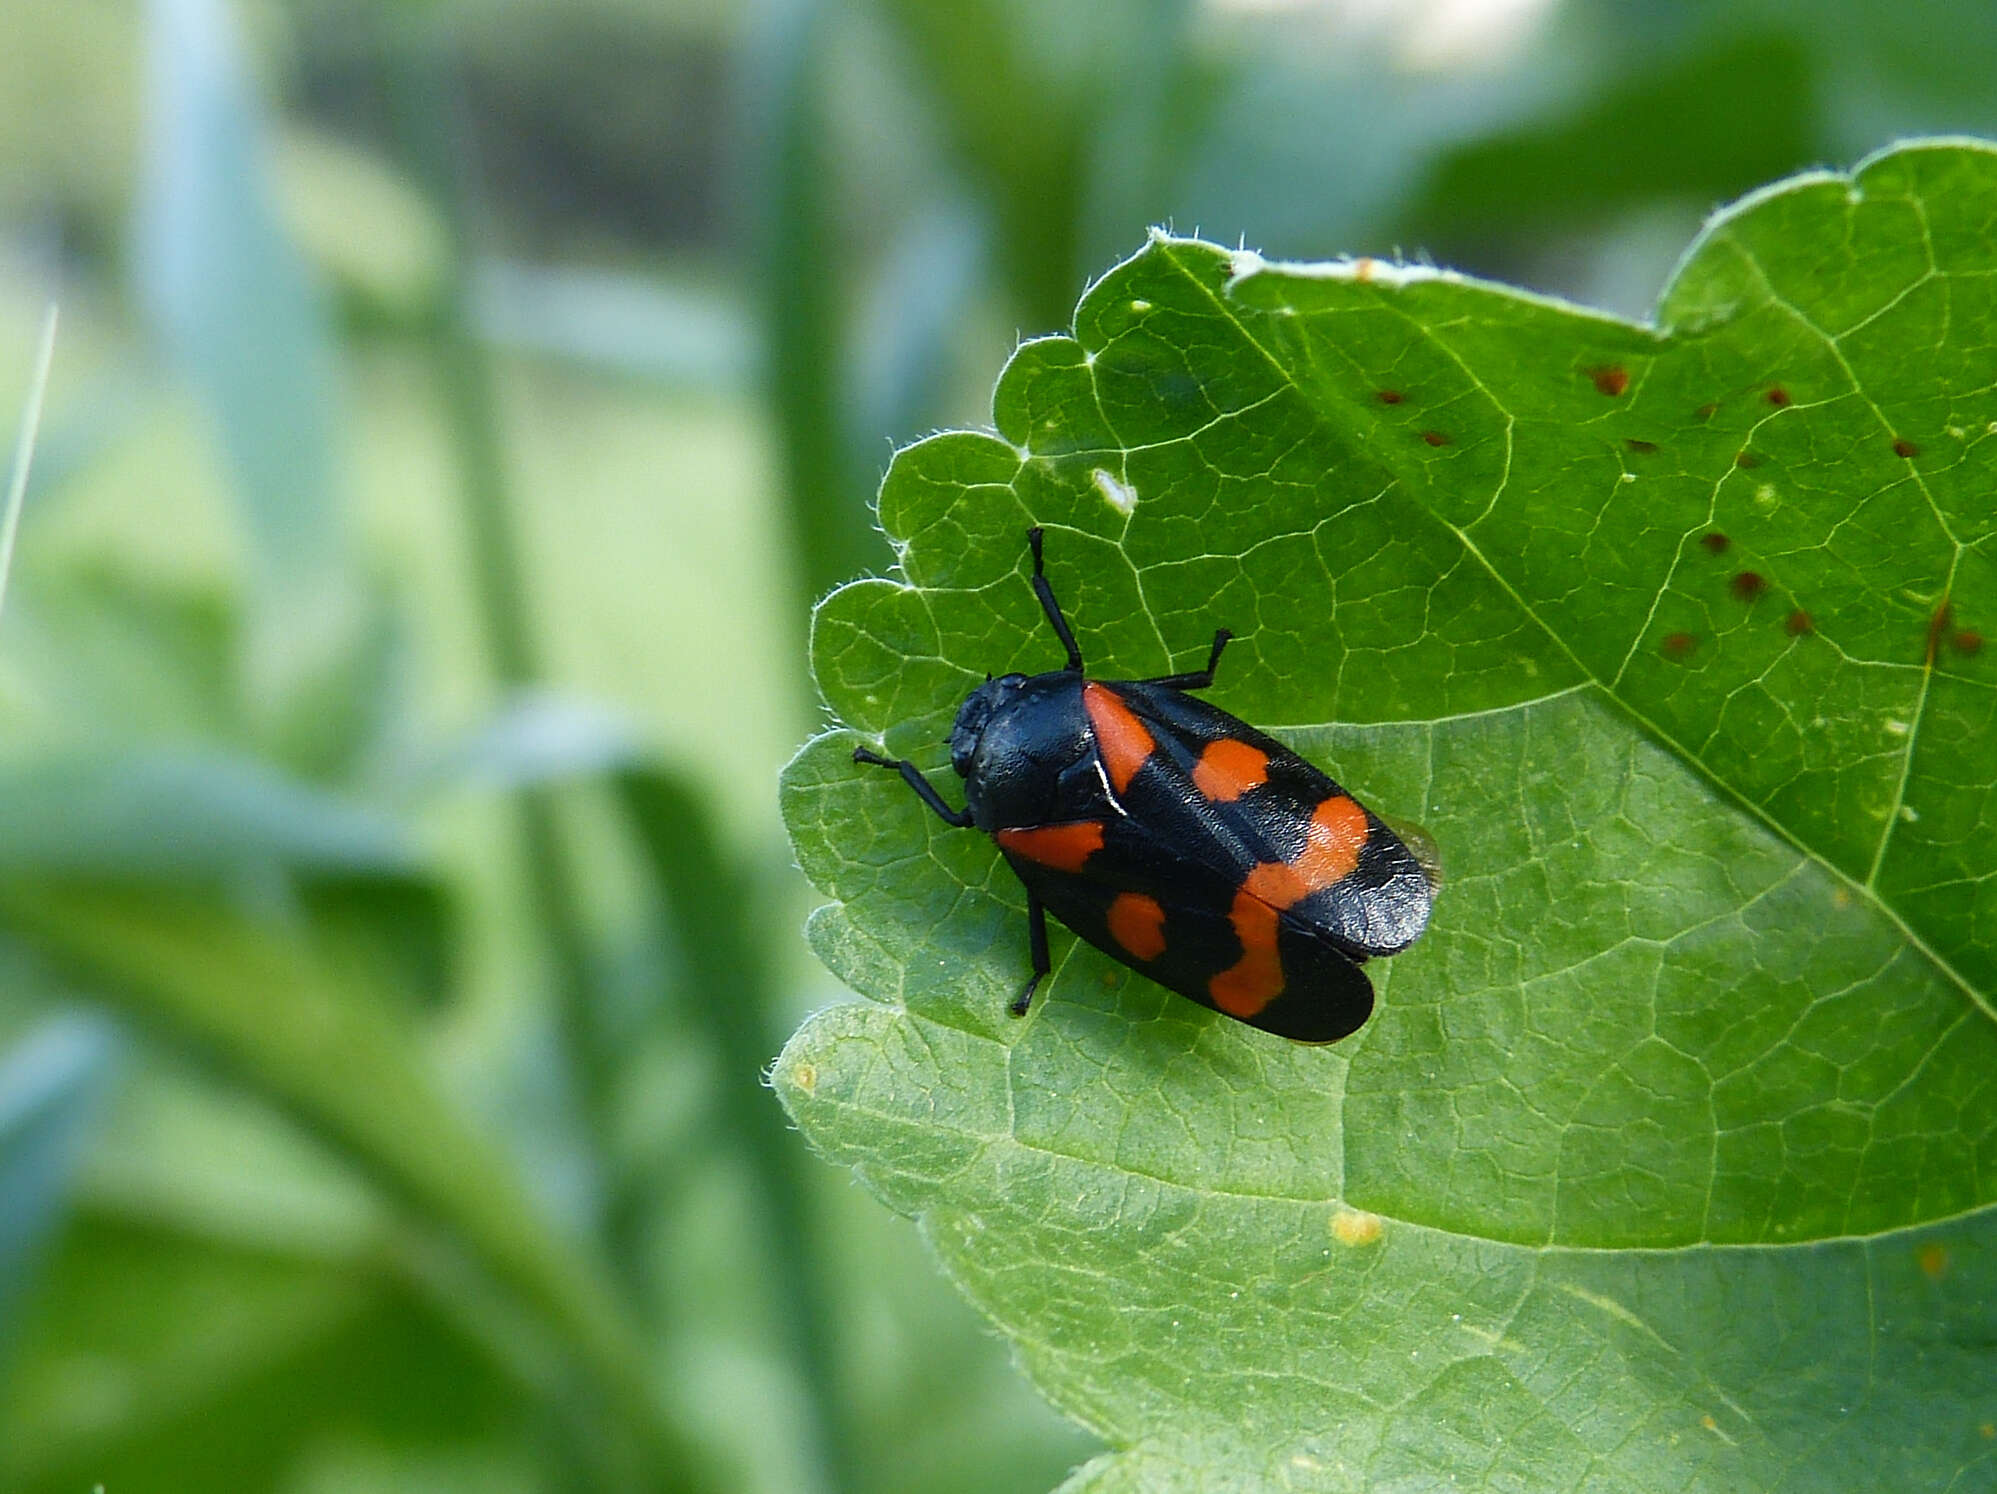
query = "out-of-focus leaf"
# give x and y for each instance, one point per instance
(1021, 89)
(185, 818)
(1737, 114)
(260, 1003)
(49, 1083)
(540, 738)
(685, 335)
(1669, 1159)
(183, 815)
(919, 295)
(160, 1362)
(24, 450)
(229, 295)
(367, 229)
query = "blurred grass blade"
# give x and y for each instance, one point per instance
(49, 1082)
(230, 296)
(262, 1004)
(24, 448)
(536, 739)
(825, 489)
(183, 815)
(713, 914)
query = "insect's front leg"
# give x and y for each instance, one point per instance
(1036, 938)
(957, 819)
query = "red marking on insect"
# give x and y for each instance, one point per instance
(1679, 646)
(1120, 737)
(1641, 447)
(1611, 380)
(1435, 438)
(1390, 396)
(1137, 923)
(1749, 585)
(1746, 459)
(1063, 847)
(1778, 396)
(1798, 623)
(1227, 769)
(1967, 641)
(1715, 543)
(1331, 842)
(1256, 979)
(1905, 448)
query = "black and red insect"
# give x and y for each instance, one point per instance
(1180, 840)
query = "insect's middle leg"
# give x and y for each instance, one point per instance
(1036, 938)
(1200, 679)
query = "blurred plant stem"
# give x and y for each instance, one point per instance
(824, 487)
(726, 983)
(712, 908)
(429, 128)
(24, 447)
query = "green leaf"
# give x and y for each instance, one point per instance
(233, 302)
(1666, 1160)
(220, 1367)
(260, 1002)
(49, 1085)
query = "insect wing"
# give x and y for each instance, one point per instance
(1137, 897)
(1239, 800)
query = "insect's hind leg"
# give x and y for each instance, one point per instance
(1200, 679)
(958, 819)
(1044, 589)
(1036, 938)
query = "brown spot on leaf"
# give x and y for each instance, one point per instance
(1641, 448)
(1934, 1261)
(1749, 585)
(1798, 623)
(1715, 543)
(1708, 409)
(1778, 396)
(1679, 646)
(1611, 380)
(1905, 448)
(1435, 438)
(1390, 396)
(1746, 459)
(1967, 641)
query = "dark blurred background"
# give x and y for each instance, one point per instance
(457, 407)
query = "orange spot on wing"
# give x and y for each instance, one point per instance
(1331, 844)
(1256, 979)
(1276, 883)
(1120, 736)
(1228, 769)
(1138, 924)
(1331, 849)
(1062, 847)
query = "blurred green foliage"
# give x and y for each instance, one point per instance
(457, 407)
